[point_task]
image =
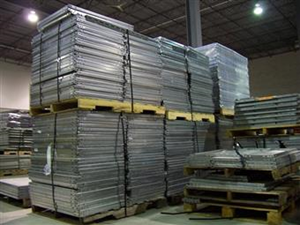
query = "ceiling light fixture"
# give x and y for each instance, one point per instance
(32, 17)
(258, 10)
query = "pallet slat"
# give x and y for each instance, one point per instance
(178, 115)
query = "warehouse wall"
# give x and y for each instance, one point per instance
(275, 75)
(14, 86)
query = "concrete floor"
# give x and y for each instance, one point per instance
(11, 213)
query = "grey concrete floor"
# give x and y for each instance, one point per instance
(11, 213)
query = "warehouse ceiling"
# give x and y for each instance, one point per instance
(231, 23)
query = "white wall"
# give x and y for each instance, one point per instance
(275, 75)
(14, 86)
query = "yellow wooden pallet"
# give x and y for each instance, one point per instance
(97, 104)
(178, 115)
(10, 152)
(265, 131)
(147, 108)
(13, 172)
(227, 112)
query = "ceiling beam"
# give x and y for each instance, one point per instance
(282, 14)
(178, 19)
(11, 18)
(43, 9)
(216, 37)
(14, 62)
(265, 34)
(14, 48)
(235, 23)
(155, 11)
(265, 44)
(163, 12)
(249, 17)
(14, 43)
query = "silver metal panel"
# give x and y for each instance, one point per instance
(16, 187)
(182, 138)
(88, 169)
(253, 158)
(282, 109)
(229, 71)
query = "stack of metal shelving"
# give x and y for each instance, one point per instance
(83, 56)
(16, 187)
(210, 138)
(15, 119)
(174, 75)
(229, 71)
(78, 162)
(182, 138)
(223, 125)
(272, 110)
(200, 82)
(78, 53)
(15, 131)
(283, 141)
(143, 70)
(11, 162)
(15, 139)
(179, 142)
(234, 184)
(15, 136)
(246, 158)
(88, 162)
(146, 172)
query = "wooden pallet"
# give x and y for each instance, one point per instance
(226, 112)
(228, 210)
(274, 216)
(17, 149)
(99, 105)
(265, 131)
(116, 214)
(178, 115)
(274, 202)
(13, 172)
(26, 202)
(277, 197)
(276, 174)
(17, 152)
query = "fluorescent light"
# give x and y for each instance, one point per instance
(32, 17)
(258, 10)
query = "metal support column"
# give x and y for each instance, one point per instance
(297, 3)
(193, 22)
